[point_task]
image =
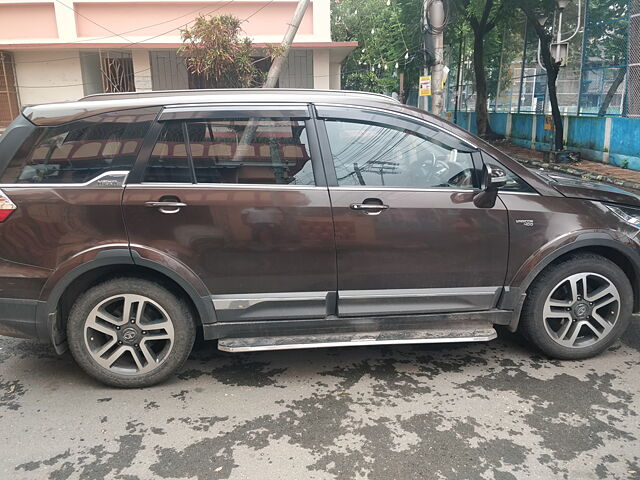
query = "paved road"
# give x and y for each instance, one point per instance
(494, 411)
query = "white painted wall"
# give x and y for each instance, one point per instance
(42, 81)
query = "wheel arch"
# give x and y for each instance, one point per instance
(622, 255)
(54, 309)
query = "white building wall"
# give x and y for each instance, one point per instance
(48, 76)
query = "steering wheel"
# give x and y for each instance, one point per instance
(423, 167)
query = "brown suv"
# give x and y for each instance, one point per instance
(276, 219)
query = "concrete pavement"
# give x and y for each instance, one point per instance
(495, 411)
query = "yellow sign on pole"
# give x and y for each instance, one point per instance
(548, 122)
(425, 86)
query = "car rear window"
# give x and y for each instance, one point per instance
(79, 151)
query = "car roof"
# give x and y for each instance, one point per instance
(58, 113)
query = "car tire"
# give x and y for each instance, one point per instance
(130, 332)
(566, 323)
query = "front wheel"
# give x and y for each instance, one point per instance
(577, 308)
(130, 332)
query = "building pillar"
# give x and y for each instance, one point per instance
(321, 20)
(65, 20)
(534, 126)
(141, 70)
(334, 79)
(607, 140)
(321, 69)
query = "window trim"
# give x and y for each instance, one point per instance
(204, 112)
(349, 112)
(374, 117)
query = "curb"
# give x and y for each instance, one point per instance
(587, 175)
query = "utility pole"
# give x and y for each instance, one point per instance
(458, 79)
(422, 100)
(275, 69)
(278, 62)
(434, 9)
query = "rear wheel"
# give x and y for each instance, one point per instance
(130, 332)
(578, 308)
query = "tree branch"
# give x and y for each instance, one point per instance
(533, 21)
(492, 24)
(488, 6)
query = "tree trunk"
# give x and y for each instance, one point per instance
(482, 113)
(552, 67)
(612, 91)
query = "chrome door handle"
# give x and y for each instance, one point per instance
(369, 208)
(166, 207)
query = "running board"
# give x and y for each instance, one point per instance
(475, 333)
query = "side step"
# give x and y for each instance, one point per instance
(477, 332)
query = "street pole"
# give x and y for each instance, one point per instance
(278, 62)
(436, 21)
(422, 100)
(458, 80)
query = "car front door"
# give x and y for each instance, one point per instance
(237, 195)
(409, 238)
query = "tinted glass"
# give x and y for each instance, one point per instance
(80, 151)
(169, 161)
(253, 151)
(516, 184)
(376, 155)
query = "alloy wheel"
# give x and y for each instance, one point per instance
(129, 334)
(581, 310)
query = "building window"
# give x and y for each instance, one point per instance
(107, 71)
(9, 105)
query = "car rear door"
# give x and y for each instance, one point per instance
(66, 183)
(409, 238)
(237, 195)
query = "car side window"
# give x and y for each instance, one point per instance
(251, 151)
(371, 154)
(233, 150)
(79, 151)
(516, 184)
(169, 161)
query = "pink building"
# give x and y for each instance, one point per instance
(57, 50)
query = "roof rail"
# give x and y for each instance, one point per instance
(194, 92)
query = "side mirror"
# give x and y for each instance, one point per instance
(493, 177)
